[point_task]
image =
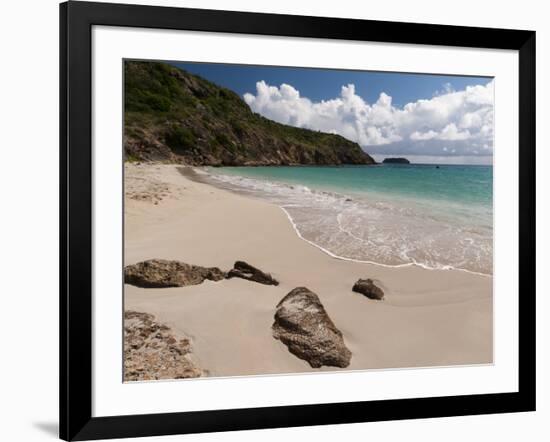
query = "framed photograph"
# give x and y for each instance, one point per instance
(272, 221)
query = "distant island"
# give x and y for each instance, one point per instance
(177, 117)
(396, 161)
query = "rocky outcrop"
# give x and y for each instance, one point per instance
(303, 325)
(396, 161)
(244, 270)
(368, 288)
(174, 116)
(152, 351)
(158, 273)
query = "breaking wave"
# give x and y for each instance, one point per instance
(375, 228)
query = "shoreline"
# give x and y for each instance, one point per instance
(428, 318)
(396, 266)
(191, 173)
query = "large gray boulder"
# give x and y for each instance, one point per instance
(368, 288)
(158, 273)
(303, 325)
(244, 270)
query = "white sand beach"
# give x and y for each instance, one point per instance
(428, 317)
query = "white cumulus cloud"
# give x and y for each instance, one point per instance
(452, 122)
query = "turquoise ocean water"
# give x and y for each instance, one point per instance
(428, 215)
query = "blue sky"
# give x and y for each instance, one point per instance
(437, 118)
(323, 84)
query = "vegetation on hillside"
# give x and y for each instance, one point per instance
(172, 115)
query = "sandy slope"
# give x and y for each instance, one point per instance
(428, 318)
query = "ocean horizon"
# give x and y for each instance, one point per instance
(437, 216)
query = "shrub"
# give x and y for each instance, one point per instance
(223, 139)
(180, 139)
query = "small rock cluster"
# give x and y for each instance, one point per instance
(303, 325)
(301, 321)
(159, 273)
(152, 351)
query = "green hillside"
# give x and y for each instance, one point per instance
(174, 116)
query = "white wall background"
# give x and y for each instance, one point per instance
(29, 218)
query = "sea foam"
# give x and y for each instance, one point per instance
(366, 227)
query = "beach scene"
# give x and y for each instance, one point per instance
(284, 220)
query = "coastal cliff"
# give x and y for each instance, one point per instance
(174, 116)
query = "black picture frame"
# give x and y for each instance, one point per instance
(76, 21)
